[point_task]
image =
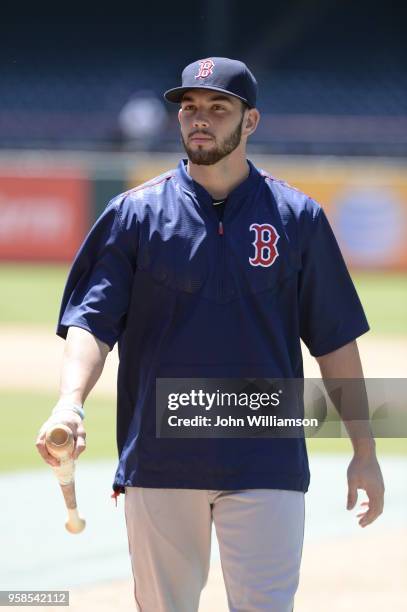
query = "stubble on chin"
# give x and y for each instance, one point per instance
(208, 157)
(201, 156)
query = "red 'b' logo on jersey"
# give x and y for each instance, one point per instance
(265, 244)
(205, 69)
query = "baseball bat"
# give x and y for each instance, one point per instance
(60, 444)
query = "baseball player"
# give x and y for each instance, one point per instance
(212, 270)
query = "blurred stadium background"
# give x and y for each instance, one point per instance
(82, 119)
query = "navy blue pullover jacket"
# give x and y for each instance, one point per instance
(186, 295)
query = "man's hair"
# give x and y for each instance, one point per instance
(245, 106)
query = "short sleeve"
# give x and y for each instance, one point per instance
(331, 314)
(98, 288)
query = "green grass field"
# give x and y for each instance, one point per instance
(31, 294)
(384, 297)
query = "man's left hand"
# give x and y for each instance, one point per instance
(364, 473)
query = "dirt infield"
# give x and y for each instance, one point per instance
(360, 573)
(31, 358)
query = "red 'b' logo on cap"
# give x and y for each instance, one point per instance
(265, 244)
(205, 69)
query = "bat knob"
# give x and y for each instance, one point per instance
(75, 523)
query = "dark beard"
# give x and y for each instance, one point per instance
(201, 157)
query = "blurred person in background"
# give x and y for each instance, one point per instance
(142, 120)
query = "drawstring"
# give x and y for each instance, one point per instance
(115, 495)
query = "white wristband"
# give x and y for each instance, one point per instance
(77, 408)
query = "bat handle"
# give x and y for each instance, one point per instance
(65, 473)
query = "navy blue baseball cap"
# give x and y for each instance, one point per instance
(218, 74)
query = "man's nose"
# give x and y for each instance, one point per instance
(200, 120)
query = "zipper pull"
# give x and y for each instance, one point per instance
(220, 228)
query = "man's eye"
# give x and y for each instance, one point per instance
(218, 107)
(188, 107)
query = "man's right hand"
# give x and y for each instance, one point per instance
(72, 420)
(82, 364)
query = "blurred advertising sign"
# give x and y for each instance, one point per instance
(370, 225)
(43, 218)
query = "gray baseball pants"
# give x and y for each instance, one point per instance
(260, 534)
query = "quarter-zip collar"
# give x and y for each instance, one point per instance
(204, 198)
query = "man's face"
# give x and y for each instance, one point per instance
(211, 125)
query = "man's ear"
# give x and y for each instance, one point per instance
(251, 121)
(179, 115)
